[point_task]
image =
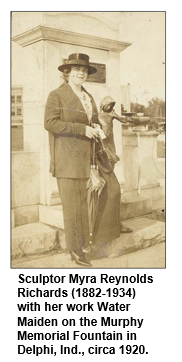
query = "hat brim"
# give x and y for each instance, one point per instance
(91, 70)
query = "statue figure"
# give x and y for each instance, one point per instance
(106, 117)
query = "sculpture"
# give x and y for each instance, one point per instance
(106, 117)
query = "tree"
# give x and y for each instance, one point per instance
(137, 108)
(156, 108)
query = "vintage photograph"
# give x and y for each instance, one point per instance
(88, 139)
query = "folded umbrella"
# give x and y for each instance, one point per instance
(95, 186)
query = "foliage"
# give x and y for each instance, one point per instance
(156, 108)
(137, 108)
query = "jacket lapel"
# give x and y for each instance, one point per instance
(94, 108)
(71, 101)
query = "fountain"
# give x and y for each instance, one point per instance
(136, 121)
(139, 149)
(136, 130)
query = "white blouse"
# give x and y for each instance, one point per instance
(86, 102)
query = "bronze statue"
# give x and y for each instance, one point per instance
(106, 117)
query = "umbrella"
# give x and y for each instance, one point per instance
(95, 186)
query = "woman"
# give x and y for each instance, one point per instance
(69, 115)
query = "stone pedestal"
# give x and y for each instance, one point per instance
(140, 164)
(25, 179)
(43, 47)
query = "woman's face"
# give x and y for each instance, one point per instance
(78, 75)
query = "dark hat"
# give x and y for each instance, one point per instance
(78, 59)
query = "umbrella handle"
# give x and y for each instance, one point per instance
(93, 153)
(102, 144)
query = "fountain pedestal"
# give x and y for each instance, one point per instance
(140, 158)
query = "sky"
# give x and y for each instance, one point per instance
(143, 63)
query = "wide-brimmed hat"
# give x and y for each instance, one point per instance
(78, 59)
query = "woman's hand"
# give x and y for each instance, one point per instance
(91, 132)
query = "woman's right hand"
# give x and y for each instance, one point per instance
(91, 132)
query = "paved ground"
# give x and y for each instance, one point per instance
(161, 145)
(152, 257)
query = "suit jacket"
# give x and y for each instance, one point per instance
(66, 120)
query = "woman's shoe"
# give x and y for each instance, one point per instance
(124, 229)
(80, 260)
(87, 249)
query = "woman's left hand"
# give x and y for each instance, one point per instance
(100, 131)
(91, 132)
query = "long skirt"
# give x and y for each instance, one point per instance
(73, 195)
(107, 225)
